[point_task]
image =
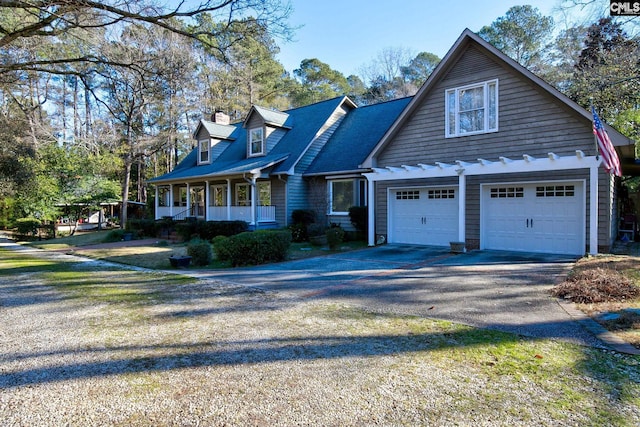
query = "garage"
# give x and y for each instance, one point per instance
(534, 217)
(423, 216)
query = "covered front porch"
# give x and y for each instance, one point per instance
(228, 200)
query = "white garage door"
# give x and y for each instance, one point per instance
(423, 216)
(542, 217)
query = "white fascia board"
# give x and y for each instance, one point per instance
(483, 167)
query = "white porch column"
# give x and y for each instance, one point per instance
(371, 200)
(157, 205)
(462, 204)
(171, 199)
(593, 209)
(228, 199)
(188, 200)
(207, 200)
(254, 200)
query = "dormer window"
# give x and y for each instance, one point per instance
(256, 141)
(204, 148)
(472, 109)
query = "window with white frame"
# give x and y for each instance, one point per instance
(342, 195)
(218, 195)
(243, 195)
(256, 141)
(472, 109)
(264, 193)
(204, 147)
(163, 196)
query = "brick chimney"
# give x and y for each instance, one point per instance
(220, 118)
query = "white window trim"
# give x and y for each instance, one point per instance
(331, 211)
(260, 185)
(213, 188)
(204, 143)
(456, 90)
(237, 200)
(262, 143)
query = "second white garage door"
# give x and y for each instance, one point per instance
(541, 217)
(423, 216)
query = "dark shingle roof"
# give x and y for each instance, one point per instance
(356, 136)
(302, 123)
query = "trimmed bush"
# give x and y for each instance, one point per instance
(207, 230)
(200, 252)
(114, 236)
(335, 236)
(359, 217)
(220, 247)
(303, 216)
(258, 247)
(27, 226)
(143, 227)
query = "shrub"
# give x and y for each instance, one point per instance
(298, 233)
(258, 247)
(27, 226)
(200, 252)
(220, 247)
(207, 230)
(143, 227)
(359, 217)
(335, 236)
(113, 236)
(303, 216)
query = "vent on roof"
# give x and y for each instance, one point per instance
(220, 118)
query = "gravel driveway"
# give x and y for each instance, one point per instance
(217, 353)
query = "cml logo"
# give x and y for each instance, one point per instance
(624, 8)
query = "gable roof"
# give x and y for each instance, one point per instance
(281, 159)
(215, 130)
(354, 139)
(448, 62)
(270, 117)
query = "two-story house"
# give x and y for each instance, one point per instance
(488, 154)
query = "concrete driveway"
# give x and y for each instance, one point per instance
(506, 291)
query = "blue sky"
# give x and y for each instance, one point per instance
(347, 34)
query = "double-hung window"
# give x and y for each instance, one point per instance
(472, 109)
(256, 141)
(204, 147)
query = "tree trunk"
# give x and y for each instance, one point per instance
(125, 192)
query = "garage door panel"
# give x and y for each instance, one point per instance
(534, 217)
(424, 216)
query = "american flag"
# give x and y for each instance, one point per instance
(610, 158)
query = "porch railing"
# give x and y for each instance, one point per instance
(223, 213)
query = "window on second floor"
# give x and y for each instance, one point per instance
(256, 141)
(472, 109)
(204, 147)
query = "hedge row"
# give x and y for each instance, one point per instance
(206, 230)
(249, 248)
